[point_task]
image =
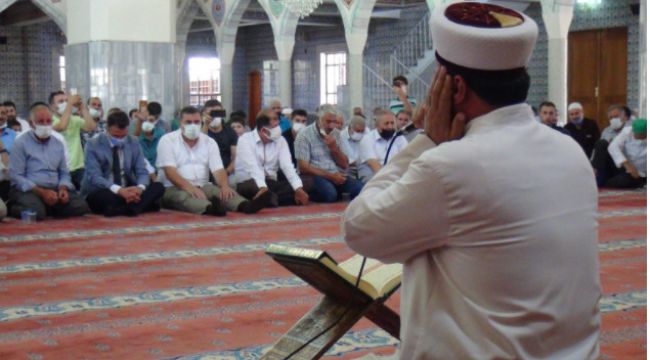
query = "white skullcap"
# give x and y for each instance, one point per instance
(483, 36)
(575, 106)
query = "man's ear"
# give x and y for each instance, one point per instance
(459, 91)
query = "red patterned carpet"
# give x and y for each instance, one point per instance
(172, 285)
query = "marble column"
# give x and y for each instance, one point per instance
(356, 43)
(557, 20)
(284, 47)
(226, 53)
(111, 53)
(643, 58)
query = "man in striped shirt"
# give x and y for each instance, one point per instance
(402, 101)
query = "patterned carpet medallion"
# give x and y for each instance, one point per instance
(172, 285)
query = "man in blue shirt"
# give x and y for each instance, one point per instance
(116, 181)
(7, 135)
(39, 174)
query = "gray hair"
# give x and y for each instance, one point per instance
(327, 109)
(382, 112)
(35, 109)
(357, 120)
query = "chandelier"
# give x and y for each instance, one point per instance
(302, 7)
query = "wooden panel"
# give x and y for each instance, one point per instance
(583, 70)
(254, 96)
(613, 71)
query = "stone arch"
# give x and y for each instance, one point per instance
(54, 12)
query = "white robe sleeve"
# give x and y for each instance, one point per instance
(617, 145)
(402, 211)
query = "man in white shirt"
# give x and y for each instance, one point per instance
(379, 146)
(619, 117)
(186, 159)
(499, 261)
(12, 114)
(351, 141)
(625, 164)
(261, 153)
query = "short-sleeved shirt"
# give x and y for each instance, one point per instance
(72, 136)
(225, 138)
(194, 164)
(150, 146)
(396, 105)
(310, 147)
(373, 146)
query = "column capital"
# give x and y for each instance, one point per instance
(284, 47)
(557, 18)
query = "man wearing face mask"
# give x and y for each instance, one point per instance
(379, 146)
(149, 138)
(320, 155)
(298, 123)
(224, 135)
(39, 174)
(618, 116)
(116, 180)
(350, 141)
(261, 154)
(584, 131)
(403, 101)
(625, 163)
(186, 159)
(96, 111)
(66, 120)
(13, 115)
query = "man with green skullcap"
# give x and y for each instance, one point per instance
(628, 154)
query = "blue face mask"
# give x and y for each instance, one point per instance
(118, 142)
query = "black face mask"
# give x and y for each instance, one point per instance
(387, 134)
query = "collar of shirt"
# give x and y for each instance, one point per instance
(256, 136)
(517, 114)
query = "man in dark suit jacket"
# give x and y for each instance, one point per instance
(584, 131)
(116, 181)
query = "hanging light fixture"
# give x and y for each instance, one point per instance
(302, 7)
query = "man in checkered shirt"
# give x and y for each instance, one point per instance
(319, 154)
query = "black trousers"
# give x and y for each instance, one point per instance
(282, 193)
(109, 204)
(5, 186)
(607, 174)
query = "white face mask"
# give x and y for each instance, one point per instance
(616, 123)
(94, 113)
(43, 131)
(192, 131)
(216, 123)
(148, 126)
(275, 133)
(61, 107)
(297, 127)
(356, 136)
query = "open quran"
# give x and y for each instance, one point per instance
(344, 304)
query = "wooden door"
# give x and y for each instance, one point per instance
(598, 70)
(254, 96)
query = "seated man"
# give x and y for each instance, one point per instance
(379, 146)
(548, 116)
(584, 131)
(319, 154)
(70, 125)
(276, 107)
(238, 124)
(12, 117)
(39, 174)
(7, 134)
(186, 158)
(116, 180)
(261, 153)
(405, 125)
(624, 164)
(149, 138)
(350, 141)
(225, 137)
(619, 117)
(298, 122)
